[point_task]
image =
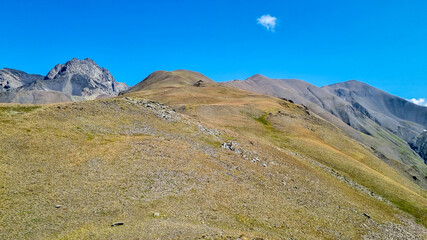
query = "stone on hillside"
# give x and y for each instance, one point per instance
(117, 224)
(200, 83)
(230, 145)
(226, 145)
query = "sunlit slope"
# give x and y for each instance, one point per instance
(165, 79)
(68, 171)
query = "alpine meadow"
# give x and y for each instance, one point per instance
(91, 151)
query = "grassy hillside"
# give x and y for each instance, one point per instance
(68, 171)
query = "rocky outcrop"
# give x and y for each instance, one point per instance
(200, 83)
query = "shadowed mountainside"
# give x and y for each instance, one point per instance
(405, 119)
(419, 144)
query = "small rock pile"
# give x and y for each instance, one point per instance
(247, 155)
(160, 109)
(231, 145)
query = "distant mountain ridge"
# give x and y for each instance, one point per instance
(74, 80)
(12, 79)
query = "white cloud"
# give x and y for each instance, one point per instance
(420, 101)
(268, 22)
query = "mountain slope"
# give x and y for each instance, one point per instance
(347, 116)
(75, 80)
(225, 163)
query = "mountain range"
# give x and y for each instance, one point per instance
(179, 155)
(74, 80)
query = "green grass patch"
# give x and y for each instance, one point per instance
(263, 120)
(212, 142)
(90, 136)
(12, 110)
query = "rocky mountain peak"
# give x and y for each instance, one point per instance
(83, 78)
(86, 67)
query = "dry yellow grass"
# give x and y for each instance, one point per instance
(114, 160)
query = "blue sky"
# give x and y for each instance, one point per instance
(382, 43)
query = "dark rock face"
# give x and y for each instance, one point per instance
(11, 79)
(419, 144)
(74, 80)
